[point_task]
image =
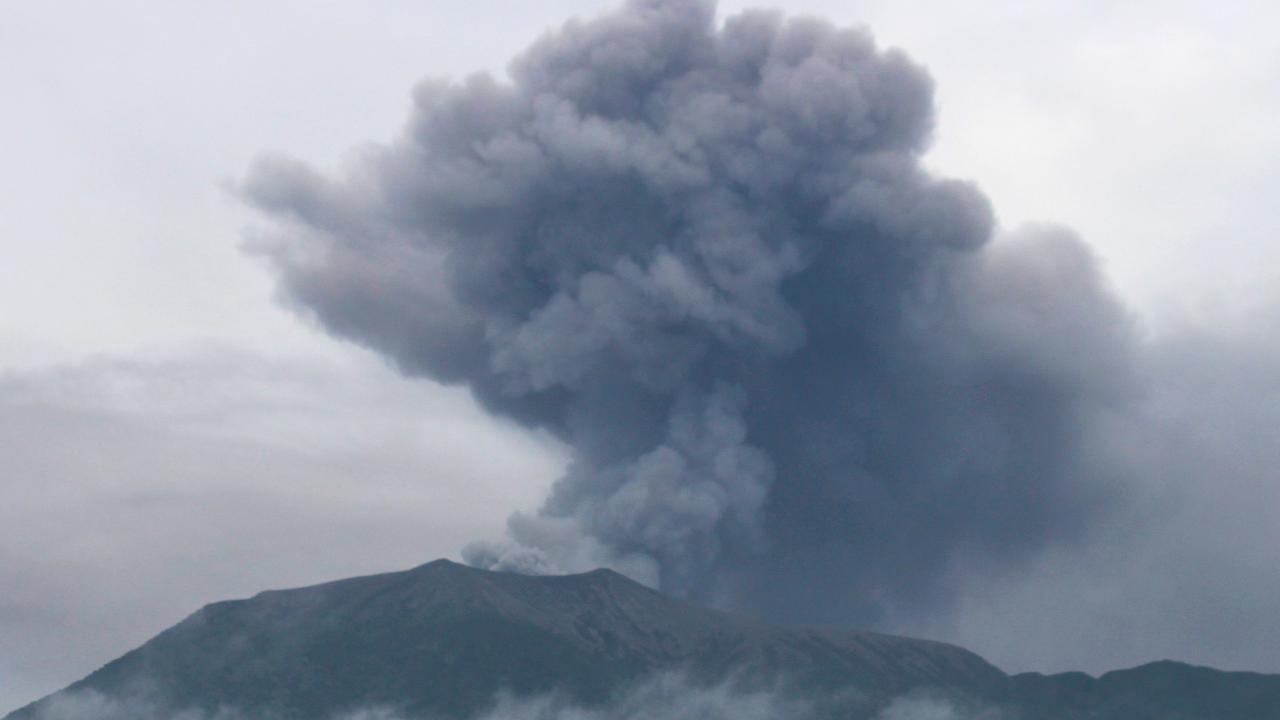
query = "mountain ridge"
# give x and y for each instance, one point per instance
(443, 639)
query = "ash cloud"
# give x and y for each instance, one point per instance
(707, 257)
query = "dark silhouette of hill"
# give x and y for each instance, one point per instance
(442, 640)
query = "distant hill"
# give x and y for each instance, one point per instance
(443, 640)
(1157, 691)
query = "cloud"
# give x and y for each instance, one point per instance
(136, 491)
(670, 696)
(926, 704)
(708, 259)
(1185, 569)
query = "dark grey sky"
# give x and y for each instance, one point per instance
(169, 436)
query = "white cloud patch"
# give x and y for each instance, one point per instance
(665, 696)
(926, 707)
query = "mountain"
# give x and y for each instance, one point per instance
(1163, 690)
(442, 640)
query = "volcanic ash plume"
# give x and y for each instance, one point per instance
(706, 256)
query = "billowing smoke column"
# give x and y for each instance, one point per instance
(794, 371)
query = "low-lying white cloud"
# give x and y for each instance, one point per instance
(665, 696)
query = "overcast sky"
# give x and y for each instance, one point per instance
(170, 435)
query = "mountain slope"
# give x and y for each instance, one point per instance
(442, 640)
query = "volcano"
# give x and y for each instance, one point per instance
(445, 640)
